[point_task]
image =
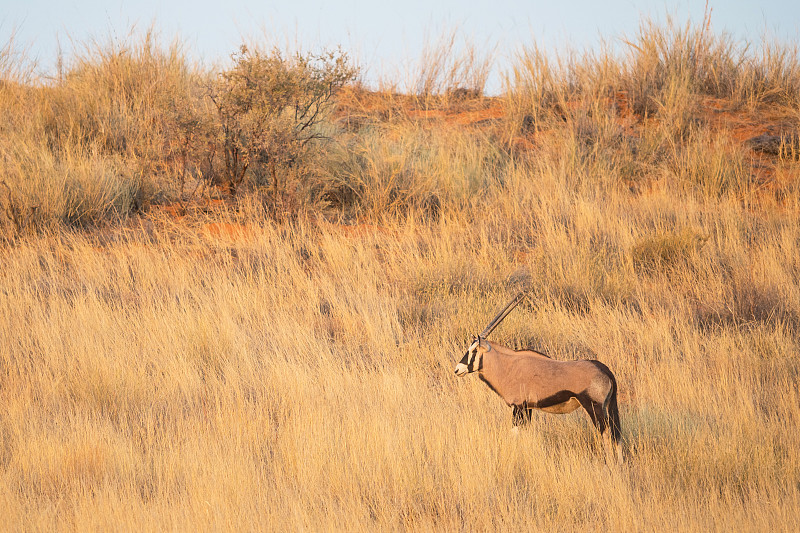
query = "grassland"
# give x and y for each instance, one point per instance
(242, 366)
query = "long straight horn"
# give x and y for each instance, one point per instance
(502, 314)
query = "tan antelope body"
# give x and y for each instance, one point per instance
(528, 380)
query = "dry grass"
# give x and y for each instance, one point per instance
(301, 376)
(225, 371)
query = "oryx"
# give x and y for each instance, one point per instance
(529, 380)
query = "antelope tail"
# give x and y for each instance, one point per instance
(613, 412)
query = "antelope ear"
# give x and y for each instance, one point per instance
(483, 344)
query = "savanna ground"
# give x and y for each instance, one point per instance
(280, 356)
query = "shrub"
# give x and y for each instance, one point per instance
(270, 108)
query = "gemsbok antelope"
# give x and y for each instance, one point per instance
(529, 380)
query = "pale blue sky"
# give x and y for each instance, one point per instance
(383, 36)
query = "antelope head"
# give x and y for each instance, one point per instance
(473, 359)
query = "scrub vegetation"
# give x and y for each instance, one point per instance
(233, 299)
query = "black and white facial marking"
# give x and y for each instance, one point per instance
(472, 360)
